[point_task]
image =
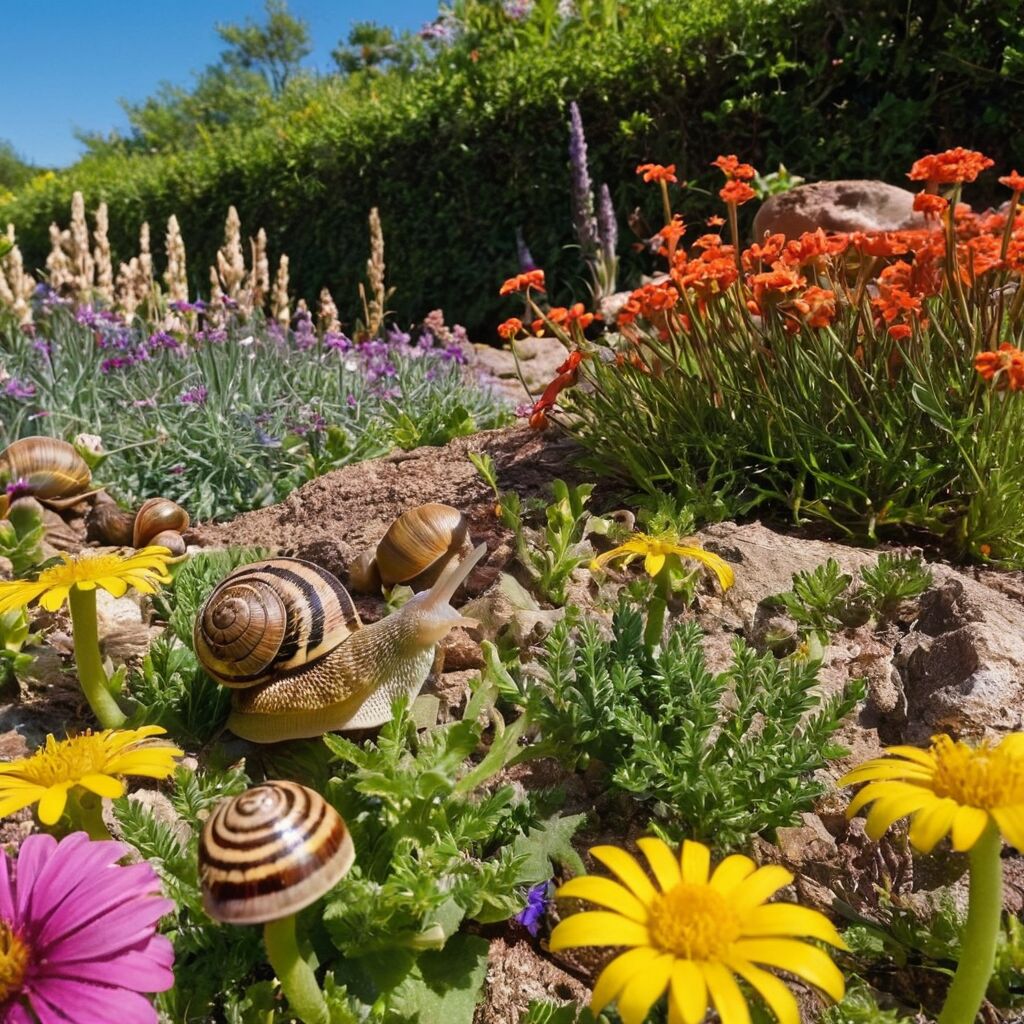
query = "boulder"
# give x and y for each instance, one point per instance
(837, 206)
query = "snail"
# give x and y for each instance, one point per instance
(46, 468)
(157, 516)
(266, 854)
(285, 635)
(416, 547)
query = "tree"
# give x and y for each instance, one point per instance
(14, 171)
(373, 48)
(274, 50)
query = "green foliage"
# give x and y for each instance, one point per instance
(471, 148)
(274, 49)
(554, 1013)
(893, 579)
(210, 960)
(21, 534)
(274, 414)
(550, 556)
(437, 845)
(14, 635)
(859, 1006)
(707, 768)
(14, 172)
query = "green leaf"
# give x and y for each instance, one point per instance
(445, 985)
(547, 847)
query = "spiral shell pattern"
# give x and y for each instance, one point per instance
(270, 852)
(269, 617)
(51, 468)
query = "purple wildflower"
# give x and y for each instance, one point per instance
(216, 335)
(15, 387)
(523, 254)
(517, 10)
(583, 219)
(305, 336)
(337, 342)
(161, 339)
(351, 402)
(79, 933)
(536, 908)
(607, 225)
(116, 363)
(187, 307)
(177, 469)
(194, 396)
(396, 336)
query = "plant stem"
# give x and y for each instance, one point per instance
(91, 675)
(656, 607)
(86, 812)
(298, 982)
(981, 931)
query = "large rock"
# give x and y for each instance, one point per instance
(837, 206)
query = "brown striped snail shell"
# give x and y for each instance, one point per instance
(285, 635)
(416, 547)
(51, 469)
(156, 515)
(270, 852)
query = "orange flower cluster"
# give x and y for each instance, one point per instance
(524, 282)
(564, 317)
(658, 172)
(567, 375)
(931, 205)
(731, 167)
(650, 302)
(954, 166)
(897, 306)
(736, 192)
(1013, 181)
(510, 328)
(1005, 367)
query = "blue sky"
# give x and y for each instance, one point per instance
(67, 62)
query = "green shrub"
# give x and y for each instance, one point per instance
(463, 151)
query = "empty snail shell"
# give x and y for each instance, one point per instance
(415, 549)
(285, 635)
(45, 468)
(271, 851)
(170, 539)
(155, 516)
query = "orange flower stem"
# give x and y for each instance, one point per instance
(980, 933)
(89, 662)
(666, 206)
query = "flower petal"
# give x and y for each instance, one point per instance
(807, 962)
(662, 860)
(653, 563)
(790, 919)
(772, 990)
(52, 803)
(614, 977)
(931, 823)
(688, 992)
(968, 825)
(54, 598)
(886, 769)
(764, 883)
(102, 785)
(695, 860)
(605, 893)
(627, 867)
(730, 872)
(643, 990)
(598, 928)
(889, 809)
(725, 993)
(721, 568)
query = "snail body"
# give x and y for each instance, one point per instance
(414, 551)
(285, 635)
(47, 468)
(269, 852)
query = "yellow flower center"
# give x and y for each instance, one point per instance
(79, 568)
(14, 959)
(693, 922)
(66, 760)
(984, 777)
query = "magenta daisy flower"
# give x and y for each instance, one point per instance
(78, 935)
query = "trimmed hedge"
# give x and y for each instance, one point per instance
(460, 154)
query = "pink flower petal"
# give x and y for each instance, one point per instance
(55, 1000)
(142, 970)
(6, 890)
(33, 855)
(16, 1013)
(120, 929)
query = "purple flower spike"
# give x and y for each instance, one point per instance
(17, 388)
(79, 933)
(194, 396)
(536, 908)
(583, 218)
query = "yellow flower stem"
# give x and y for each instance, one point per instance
(655, 627)
(91, 675)
(86, 813)
(298, 982)
(981, 931)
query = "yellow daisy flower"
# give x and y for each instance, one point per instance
(655, 551)
(91, 761)
(115, 573)
(692, 932)
(950, 787)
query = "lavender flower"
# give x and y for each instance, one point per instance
(116, 363)
(607, 225)
(194, 396)
(536, 908)
(517, 10)
(163, 340)
(15, 387)
(305, 336)
(583, 218)
(187, 307)
(336, 342)
(523, 254)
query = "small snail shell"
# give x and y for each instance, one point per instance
(170, 539)
(271, 851)
(285, 635)
(416, 547)
(108, 524)
(52, 470)
(155, 516)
